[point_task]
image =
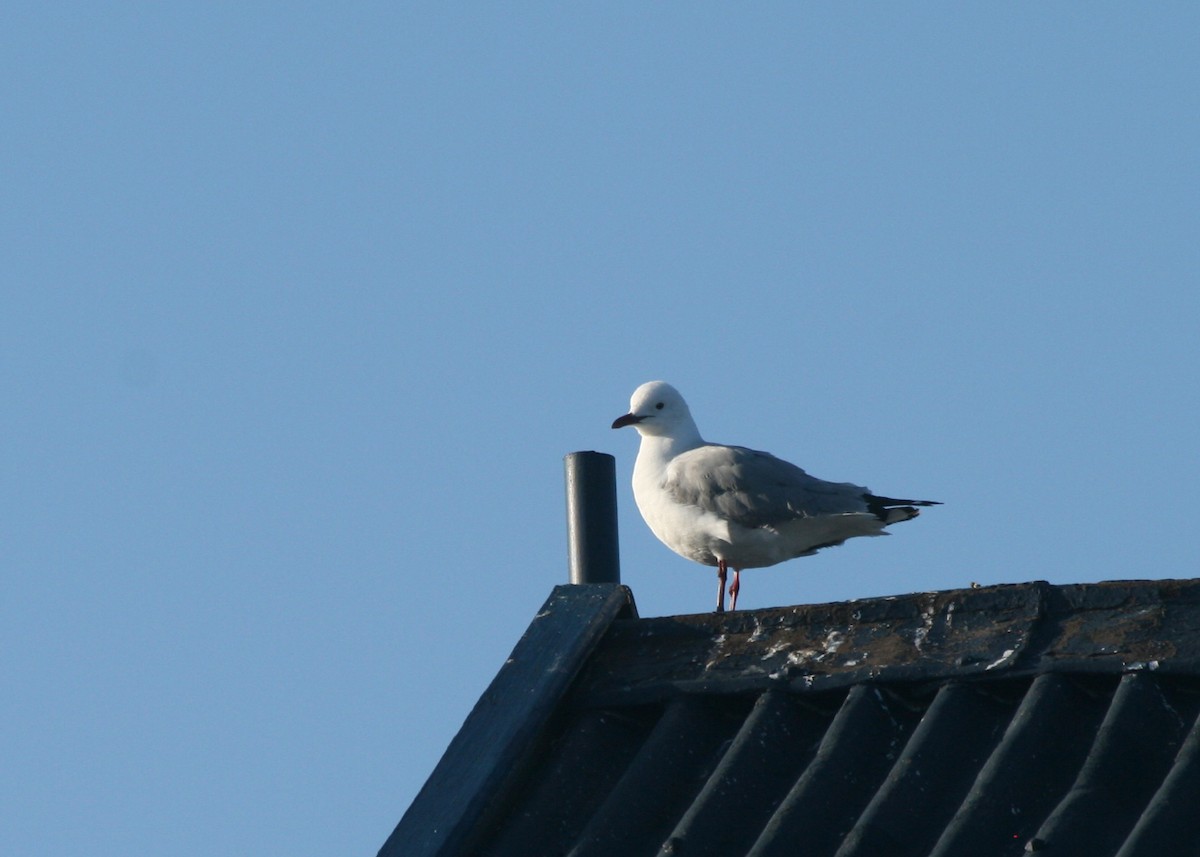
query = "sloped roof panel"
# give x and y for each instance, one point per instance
(977, 722)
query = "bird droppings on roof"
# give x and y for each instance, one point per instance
(1003, 660)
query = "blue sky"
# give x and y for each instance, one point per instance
(303, 307)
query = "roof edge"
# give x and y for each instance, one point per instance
(496, 739)
(1008, 629)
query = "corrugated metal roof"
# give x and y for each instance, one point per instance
(993, 721)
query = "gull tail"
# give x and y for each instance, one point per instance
(893, 511)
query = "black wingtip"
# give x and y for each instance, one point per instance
(880, 506)
(875, 499)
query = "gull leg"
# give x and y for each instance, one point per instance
(734, 588)
(721, 585)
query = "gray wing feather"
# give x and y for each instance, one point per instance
(756, 489)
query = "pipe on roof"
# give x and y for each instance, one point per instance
(592, 550)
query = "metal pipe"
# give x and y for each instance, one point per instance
(592, 551)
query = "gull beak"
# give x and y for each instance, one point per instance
(627, 420)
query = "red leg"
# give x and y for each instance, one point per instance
(721, 585)
(734, 587)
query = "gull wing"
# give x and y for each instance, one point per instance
(756, 489)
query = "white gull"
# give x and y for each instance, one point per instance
(738, 508)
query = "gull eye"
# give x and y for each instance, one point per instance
(659, 406)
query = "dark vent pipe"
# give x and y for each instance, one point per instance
(592, 551)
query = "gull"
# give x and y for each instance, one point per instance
(739, 508)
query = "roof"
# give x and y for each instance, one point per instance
(988, 721)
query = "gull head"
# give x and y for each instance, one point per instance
(656, 408)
